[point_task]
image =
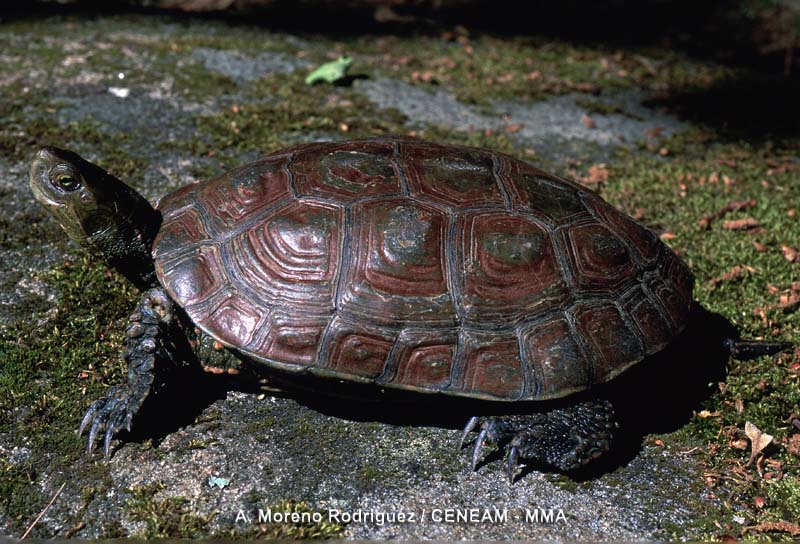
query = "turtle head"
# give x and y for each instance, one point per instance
(75, 191)
(98, 211)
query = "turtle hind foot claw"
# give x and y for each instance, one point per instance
(471, 424)
(565, 438)
(490, 432)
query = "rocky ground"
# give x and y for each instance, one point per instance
(161, 101)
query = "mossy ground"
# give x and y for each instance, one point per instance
(700, 177)
(169, 517)
(49, 372)
(54, 363)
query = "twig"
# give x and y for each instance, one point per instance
(735, 206)
(46, 508)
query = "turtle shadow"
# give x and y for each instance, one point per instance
(661, 394)
(182, 399)
(658, 395)
(348, 80)
(771, 105)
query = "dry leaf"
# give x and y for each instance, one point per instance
(774, 463)
(738, 444)
(788, 299)
(588, 122)
(734, 206)
(788, 302)
(740, 224)
(586, 87)
(598, 174)
(735, 273)
(705, 413)
(793, 445)
(790, 253)
(779, 526)
(758, 440)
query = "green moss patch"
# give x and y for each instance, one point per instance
(165, 517)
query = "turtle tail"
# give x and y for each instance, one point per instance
(744, 350)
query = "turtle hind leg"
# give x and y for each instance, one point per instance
(565, 438)
(213, 356)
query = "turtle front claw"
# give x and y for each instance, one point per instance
(109, 415)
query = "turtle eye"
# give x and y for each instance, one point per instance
(67, 182)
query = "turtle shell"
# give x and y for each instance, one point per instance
(420, 266)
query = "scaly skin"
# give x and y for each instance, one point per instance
(213, 356)
(149, 351)
(98, 211)
(565, 438)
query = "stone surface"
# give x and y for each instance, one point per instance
(243, 67)
(553, 127)
(373, 468)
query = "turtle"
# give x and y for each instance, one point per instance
(400, 263)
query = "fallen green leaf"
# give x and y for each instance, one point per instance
(330, 72)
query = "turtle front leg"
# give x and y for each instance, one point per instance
(149, 346)
(566, 438)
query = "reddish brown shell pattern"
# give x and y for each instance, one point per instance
(421, 266)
